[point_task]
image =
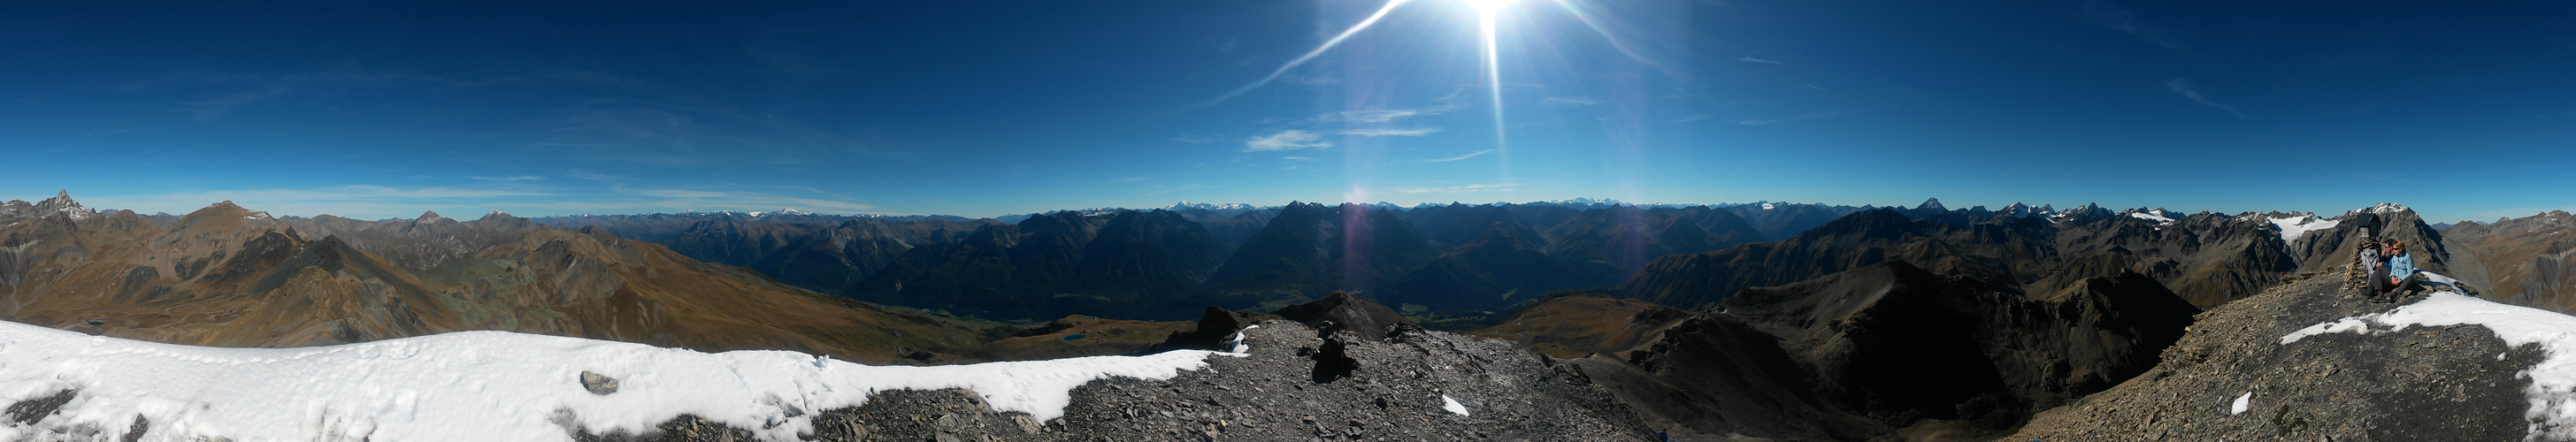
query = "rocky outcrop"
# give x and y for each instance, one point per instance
(1360, 317)
(2422, 383)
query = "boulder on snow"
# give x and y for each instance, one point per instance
(598, 384)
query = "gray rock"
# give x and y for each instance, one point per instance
(598, 384)
(1271, 395)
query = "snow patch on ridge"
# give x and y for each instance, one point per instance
(2157, 215)
(2293, 227)
(487, 385)
(2553, 380)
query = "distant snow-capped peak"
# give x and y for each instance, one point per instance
(62, 203)
(1184, 205)
(2382, 208)
(2299, 224)
(2159, 215)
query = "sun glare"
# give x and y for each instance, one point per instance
(1486, 10)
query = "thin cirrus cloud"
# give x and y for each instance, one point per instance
(513, 178)
(1291, 139)
(1389, 132)
(1460, 157)
(1471, 188)
(1581, 101)
(2182, 86)
(1448, 103)
(1757, 60)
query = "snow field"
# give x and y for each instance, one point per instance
(487, 385)
(2553, 379)
(2293, 227)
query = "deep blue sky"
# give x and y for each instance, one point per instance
(370, 109)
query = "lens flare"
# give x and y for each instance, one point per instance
(1310, 55)
(1486, 10)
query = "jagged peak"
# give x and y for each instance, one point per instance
(2381, 208)
(62, 203)
(428, 216)
(497, 213)
(1931, 204)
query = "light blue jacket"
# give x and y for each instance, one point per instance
(2401, 266)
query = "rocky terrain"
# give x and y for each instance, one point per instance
(2423, 383)
(1296, 382)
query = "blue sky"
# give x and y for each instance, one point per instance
(371, 110)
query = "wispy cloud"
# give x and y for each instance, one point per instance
(2182, 86)
(1372, 115)
(1471, 188)
(1385, 132)
(1764, 121)
(514, 178)
(681, 193)
(1127, 179)
(2113, 16)
(1197, 139)
(1460, 157)
(579, 174)
(1298, 159)
(1757, 60)
(1291, 139)
(1580, 101)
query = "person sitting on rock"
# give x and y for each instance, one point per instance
(2399, 278)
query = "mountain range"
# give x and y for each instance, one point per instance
(1881, 323)
(229, 276)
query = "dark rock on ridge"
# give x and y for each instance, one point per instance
(1215, 328)
(1361, 317)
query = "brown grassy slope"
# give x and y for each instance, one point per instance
(227, 276)
(1577, 326)
(1099, 337)
(2529, 261)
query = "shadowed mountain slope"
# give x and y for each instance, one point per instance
(1113, 263)
(1884, 351)
(2208, 258)
(2529, 261)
